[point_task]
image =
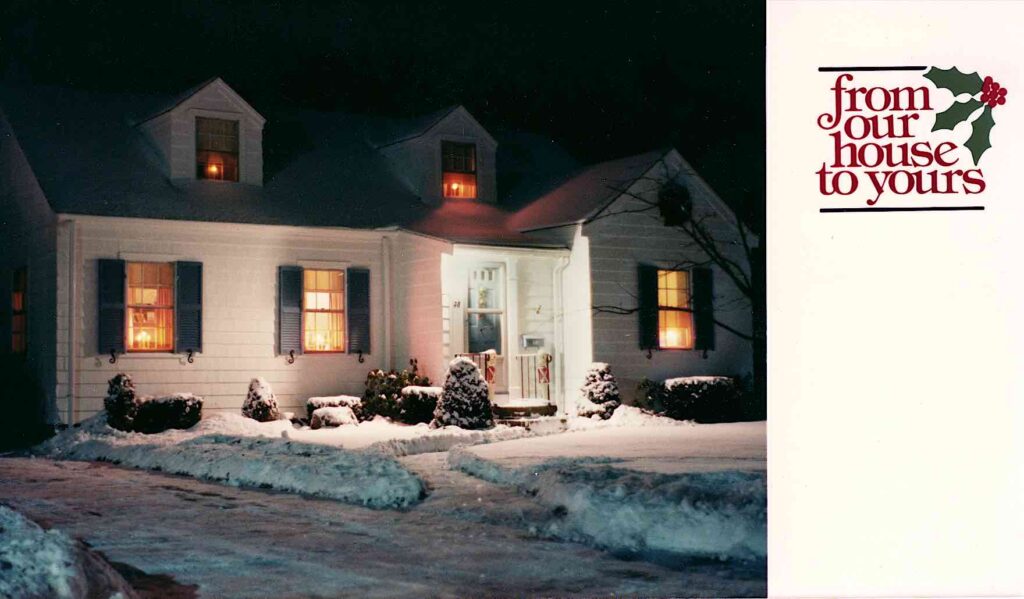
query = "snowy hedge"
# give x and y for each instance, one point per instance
(698, 398)
(130, 412)
(418, 403)
(463, 400)
(599, 395)
(315, 403)
(260, 403)
(332, 416)
(383, 393)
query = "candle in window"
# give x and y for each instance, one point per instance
(142, 339)
(455, 188)
(213, 170)
(673, 338)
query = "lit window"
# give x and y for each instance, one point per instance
(458, 169)
(216, 149)
(150, 306)
(323, 310)
(19, 314)
(675, 322)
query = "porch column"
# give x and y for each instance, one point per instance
(512, 325)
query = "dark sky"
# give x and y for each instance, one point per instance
(604, 79)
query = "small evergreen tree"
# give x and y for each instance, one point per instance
(121, 403)
(463, 399)
(599, 394)
(260, 403)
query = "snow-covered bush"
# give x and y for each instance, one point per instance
(349, 401)
(121, 403)
(130, 412)
(260, 403)
(463, 400)
(697, 398)
(157, 414)
(599, 395)
(332, 416)
(417, 404)
(384, 391)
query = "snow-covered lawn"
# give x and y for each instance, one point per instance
(350, 463)
(664, 488)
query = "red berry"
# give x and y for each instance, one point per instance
(1002, 91)
(1001, 100)
(988, 80)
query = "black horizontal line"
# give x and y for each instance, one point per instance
(905, 209)
(894, 68)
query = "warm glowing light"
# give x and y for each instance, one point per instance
(672, 338)
(142, 337)
(455, 187)
(213, 170)
(320, 341)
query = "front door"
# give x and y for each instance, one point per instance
(485, 317)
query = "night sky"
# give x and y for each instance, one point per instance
(604, 79)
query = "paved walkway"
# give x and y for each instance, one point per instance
(468, 538)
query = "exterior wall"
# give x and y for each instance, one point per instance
(418, 161)
(174, 133)
(579, 349)
(28, 234)
(618, 244)
(239, 309)
(418, 304)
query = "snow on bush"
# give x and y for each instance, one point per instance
(417, 404)
(260, 403)
(48, 563)
(127, 411)
(332, 416)
(360, 477)
(624, 416)
(710, 514)
(383, 393)
(599, 395)
(698, 398)
(463, 401)
(315, 403)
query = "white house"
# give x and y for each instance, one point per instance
(195, 244)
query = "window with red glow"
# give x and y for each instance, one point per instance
(150, 307)
(216, 149)
(458, 169)
(19, 312)
(323, 310)
(675, 321)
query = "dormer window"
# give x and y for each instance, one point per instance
(458, 169)
(216, 149)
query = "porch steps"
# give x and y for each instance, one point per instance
(542, 425)
(524, 411)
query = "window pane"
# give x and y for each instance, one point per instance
(150, 306)
(675, 329)
(216, 149)
(323, 310)
(673, 288)
(484, 332)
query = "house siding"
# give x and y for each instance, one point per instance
(240, 265)
(29, 229)
(617, 245)
(417, 308)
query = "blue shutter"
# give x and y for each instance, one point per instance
(703, 308)
(188, 305)
(358, 310)
(289, 309)
(647, 298)
(110, 319)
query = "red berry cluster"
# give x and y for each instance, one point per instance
(992, 94)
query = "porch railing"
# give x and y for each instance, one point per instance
(535, 375)
(487, 364)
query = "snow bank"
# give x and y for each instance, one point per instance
(48, 563)
(718, 514)
(623, 416)
(366, 478)
(444, 439)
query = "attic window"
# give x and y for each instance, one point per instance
(458, 169)
(216, 149)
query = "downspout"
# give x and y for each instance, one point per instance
(558, 286)
(385, 260)
(72, 312)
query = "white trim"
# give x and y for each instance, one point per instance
(325, 265)
(147, 257)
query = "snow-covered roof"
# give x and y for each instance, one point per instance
(320, 169)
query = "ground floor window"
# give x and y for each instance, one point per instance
(323, 310)
(675, 321)
(19, 311)
(150, 307)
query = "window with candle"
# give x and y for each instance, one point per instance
(323, 310)
(675, 321)
(150, 307)
(458, 169)
(216, 149)
(19, 311)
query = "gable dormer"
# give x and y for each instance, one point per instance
(208, 132)
(445, 156)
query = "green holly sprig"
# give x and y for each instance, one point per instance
(981, 92)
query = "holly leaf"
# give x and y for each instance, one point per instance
(978, 142)
(955, 81)
(955, 114)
